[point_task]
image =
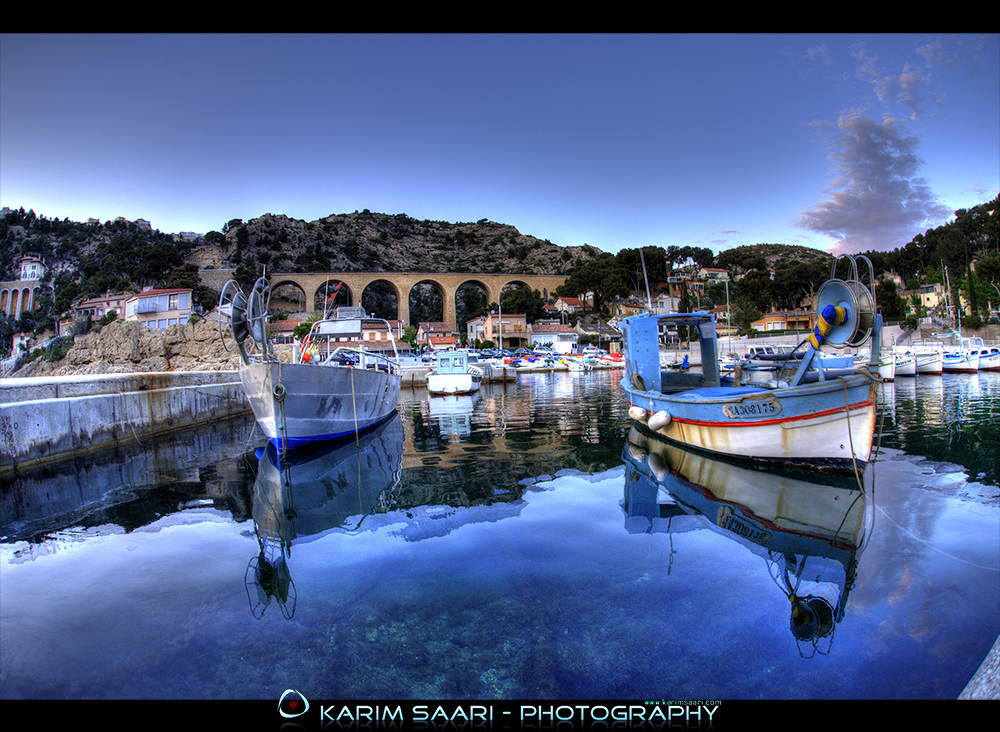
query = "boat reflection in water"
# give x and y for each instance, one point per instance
(311, 491)
(809, 534)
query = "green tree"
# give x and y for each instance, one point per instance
(891, 305)
(523, 300)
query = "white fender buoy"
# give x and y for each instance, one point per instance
(659, 420)
(636, 452)
(638, 414)
(659, 468)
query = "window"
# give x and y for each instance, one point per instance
(174, 302)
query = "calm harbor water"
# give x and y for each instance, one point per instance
(516, 544)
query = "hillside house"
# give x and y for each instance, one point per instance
(561, 338)
(786, 320)
(625, 309)
(159, 308)
(98, 307)
(569, 304)
(436, 336)
(21, 296)
(713, 274)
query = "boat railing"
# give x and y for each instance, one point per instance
(361, 358)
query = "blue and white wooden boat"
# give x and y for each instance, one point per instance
(989, 356)
(809, 529)
(961, 361)
(335, 389)
(811, 420)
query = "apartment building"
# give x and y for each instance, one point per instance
(159, 308)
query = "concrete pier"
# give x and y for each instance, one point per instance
(46, 419)
(985, 684)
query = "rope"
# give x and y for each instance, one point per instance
(354, 405)
(931, 546)
(882, 510)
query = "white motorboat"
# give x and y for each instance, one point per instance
(454, 374)
(989, 356)
(906, 365)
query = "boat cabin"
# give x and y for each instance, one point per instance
(452, 362)
(642, 352)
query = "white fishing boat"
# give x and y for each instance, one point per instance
(928, 358)
(454, 374)
(961, 361)
(989, 356)
(764, 360)
(812, 419)
(930, 362)
(906, 365)
(887, 366)
(335, 389)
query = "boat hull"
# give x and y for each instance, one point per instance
(931, 363)
(447, 384)
(964, 363)
(827, 426)
(905, 366)
(989, 360)
(887, 369)
(298, 404)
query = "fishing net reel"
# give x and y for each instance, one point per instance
(853, 306)
(247, 317)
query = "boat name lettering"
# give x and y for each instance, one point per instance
(747, 531)
(752, 409)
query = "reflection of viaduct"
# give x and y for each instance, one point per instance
(313, 286)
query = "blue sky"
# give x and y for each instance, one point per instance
(847, 142)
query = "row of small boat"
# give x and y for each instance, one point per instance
(970, 356)
(901, 361)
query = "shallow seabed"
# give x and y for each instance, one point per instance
(488, 547)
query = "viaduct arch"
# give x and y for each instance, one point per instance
(19, 296)
(312, 283)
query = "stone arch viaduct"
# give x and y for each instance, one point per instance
(313, 284)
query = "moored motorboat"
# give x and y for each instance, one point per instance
(928, 358)
(989, 356)
(906, 365)
(812, 419)
(887, 366)
(961, 361)
(930, 362)
(331, 391)
(577, 365)
(454, 374)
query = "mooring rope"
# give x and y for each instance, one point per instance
(878, 507)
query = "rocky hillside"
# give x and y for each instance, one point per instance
(386, 243)
(122, 347)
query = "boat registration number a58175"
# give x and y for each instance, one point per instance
(751, 410)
